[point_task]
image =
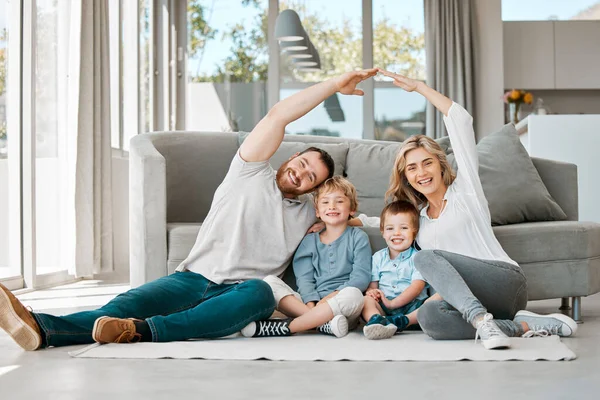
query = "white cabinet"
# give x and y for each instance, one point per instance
(573, 139)
(577, 49)
(551, 54)
(529, 55)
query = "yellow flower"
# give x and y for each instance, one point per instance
(528, 98)
(515, 95)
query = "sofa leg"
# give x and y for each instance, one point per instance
(564, 305)
(577, 309)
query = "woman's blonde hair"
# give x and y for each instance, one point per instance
(399, 188)
(338, 183)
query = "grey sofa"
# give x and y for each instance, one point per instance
(173, 176)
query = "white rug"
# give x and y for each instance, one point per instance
(409, 346)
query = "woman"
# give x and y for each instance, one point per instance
(461, 258)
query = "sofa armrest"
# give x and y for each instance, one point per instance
(560, 179)
(147, 211)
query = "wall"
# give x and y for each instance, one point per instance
(489, 79)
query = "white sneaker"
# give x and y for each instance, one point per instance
(491, 336)
(337, 327)
(546, 325)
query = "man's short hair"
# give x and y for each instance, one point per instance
(338, 183)
(400, 207)
(325, 157)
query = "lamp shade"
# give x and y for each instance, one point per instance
(303, 63)
(313, 62)
(288, 27)
(298, 45)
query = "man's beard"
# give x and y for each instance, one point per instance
(283, 181)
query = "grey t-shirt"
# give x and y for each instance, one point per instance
(251, 230)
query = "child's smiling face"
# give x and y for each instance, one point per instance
(398, 231)
(334, 208)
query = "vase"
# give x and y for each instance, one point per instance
(513, 110)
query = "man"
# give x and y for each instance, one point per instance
(256, 221)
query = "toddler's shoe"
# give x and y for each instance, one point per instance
(400, 320)
(378, 327)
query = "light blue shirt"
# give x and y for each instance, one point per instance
(395, 276)
(324, 268)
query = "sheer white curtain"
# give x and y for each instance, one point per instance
(87, 239)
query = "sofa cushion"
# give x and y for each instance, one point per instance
(181, 237)
(513, 187)
(533, 242)
(368, 167)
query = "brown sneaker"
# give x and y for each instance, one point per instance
(18, 322)
(115, 330)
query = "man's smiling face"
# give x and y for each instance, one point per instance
(301, 174)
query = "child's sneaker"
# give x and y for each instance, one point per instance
(337, 327)
(491, 336)
(400, 320)
(378, 327)
(267, 327)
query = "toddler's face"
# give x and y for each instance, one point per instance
(334, 208)
(399, 231)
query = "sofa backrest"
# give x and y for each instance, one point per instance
(196, 164)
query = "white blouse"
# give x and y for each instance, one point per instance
(464, 226)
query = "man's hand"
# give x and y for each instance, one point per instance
(346, 83)
(329, 296)
(317, 227)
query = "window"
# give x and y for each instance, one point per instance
(541, 10)
(398, 46)
(51, 43)
(339, 116)
(227, 64)
(335, 29)
(9, 158)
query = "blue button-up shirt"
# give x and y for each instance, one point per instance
(323, 268)
(395, 276)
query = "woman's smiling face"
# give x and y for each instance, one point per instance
(423, 171)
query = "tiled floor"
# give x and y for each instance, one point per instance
(52, 374)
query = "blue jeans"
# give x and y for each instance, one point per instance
(181, 306)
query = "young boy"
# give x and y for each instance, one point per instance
(332, 271)
(397, 289)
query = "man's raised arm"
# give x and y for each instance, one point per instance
(265, 138)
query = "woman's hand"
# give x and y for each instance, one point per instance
(401, 81)
(439, 101)
(346, 83)
(317, 227)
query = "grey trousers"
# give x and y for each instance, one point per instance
(470, 287)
